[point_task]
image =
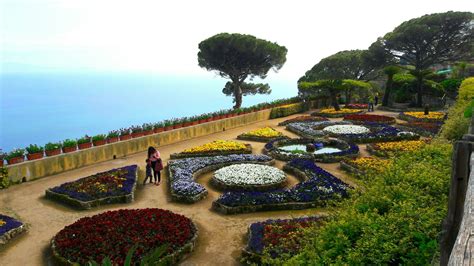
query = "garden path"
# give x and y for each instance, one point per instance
(221, 237)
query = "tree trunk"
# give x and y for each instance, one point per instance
(419, 94)
(334, 100)
(348, 96)
(237, 95)
(388, 89)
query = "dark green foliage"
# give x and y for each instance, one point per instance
(247, 88)
(390, 71)
(33, 148)
(238, 56)
(396, 220)
(52, 146)
(451, 85)
(431, 39)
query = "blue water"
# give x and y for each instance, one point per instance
(38, 108)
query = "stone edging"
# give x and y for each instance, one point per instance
(170, 259)
(181, 155)
(202, 195)
(86, 205)
(10, 234)
(351, 169)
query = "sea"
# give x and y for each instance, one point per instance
(39, 108)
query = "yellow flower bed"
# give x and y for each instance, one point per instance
(342, 111)
(218, 145)
(421, 115)
(289, 105)
(406, 145)
(2, 222)
(370, 164)
(266, 132)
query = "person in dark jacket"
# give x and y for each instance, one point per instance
(156, 164)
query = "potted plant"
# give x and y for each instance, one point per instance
(137, 131)
(177, 123)
(84, 142)
(187, 121)
(69, 145)
(52, 149)
(168, 125)
(2, 157)
(147, 129)
(99, 140)
(194, 120)
(158, 127)
(113, 136)
(15, 156)
(34, 152)
(125, 134)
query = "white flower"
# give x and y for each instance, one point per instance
(346, 129)
(406, 133)
(249, 174)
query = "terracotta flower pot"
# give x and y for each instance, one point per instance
(194, 123)
(15, 160)
(158, 130)
(137, 134)
(168, 128)
(148, 132)
(177, 126)
(187, 124)
(202, 121)
(228, 115)
(99, 142)
(112, 139)
(53, 152)
(86, 145)
(125, 137)
(34, 156)
(69, 149)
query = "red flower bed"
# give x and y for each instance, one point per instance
(356, 106)
(358, 118)
(111, 234)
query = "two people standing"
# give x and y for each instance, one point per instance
(154, 164)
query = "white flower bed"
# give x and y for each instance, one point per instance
(249, 174)
(346, 129)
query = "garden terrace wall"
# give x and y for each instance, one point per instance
(31, 170)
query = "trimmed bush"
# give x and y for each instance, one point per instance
(4, 181)
(287, 110)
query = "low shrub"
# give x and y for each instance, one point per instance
(287, 110)
(4, 181)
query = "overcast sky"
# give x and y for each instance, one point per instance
(163, 37)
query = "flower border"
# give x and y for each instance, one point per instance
(409, 118)
(16, 229)
(389, 120)
(181, 155)
(68, 199)
(383, 133)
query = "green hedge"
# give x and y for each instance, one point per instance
(457, 124)
(287, 110)
(396, 220)
(4, 181)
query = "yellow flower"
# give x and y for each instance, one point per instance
(430, 116)
(218, 145)
(266, 132)
(2, 223)
(342, 111)
(406, 145)
(288, 105)
(370, 164)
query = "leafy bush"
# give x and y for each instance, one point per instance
(457, 124)
(69, 143)
(33, 148)
(451, 85)
(4, 181)
(397, 220)
(99, 137)
(85, 139)
(15, 153)
(52, 146)
(286, 110)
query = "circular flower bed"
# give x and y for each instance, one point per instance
(312, 129)
(364, 118)
(262, 134)
(426, 129)
(249, 177)
(385, 149)
(303, 119)
(421, 117)
(362, 106)
(346, 129)
(9, 228)
(321, 150)
(361, 166)
(218, 147)
(331, 112)
(113, 186)
(112, 234)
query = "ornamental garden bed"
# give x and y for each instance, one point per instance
(215, 148)
(320, 150)
(113, 233)
(182, 173)
(362, 166)
(277, 237)
(369, 132)
(387, 149)
(317, 188)
(421, 117)
(250, 177)
(113, 186)
(262, 135)
(10, 228)
(303, 119)
(425, 129)
(362, 106)
(364, 118)
(332, 113)
(313, 129)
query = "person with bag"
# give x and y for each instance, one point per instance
(156, 164)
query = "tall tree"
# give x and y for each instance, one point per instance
(431, 39)
(237, 57)
(390, 71)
